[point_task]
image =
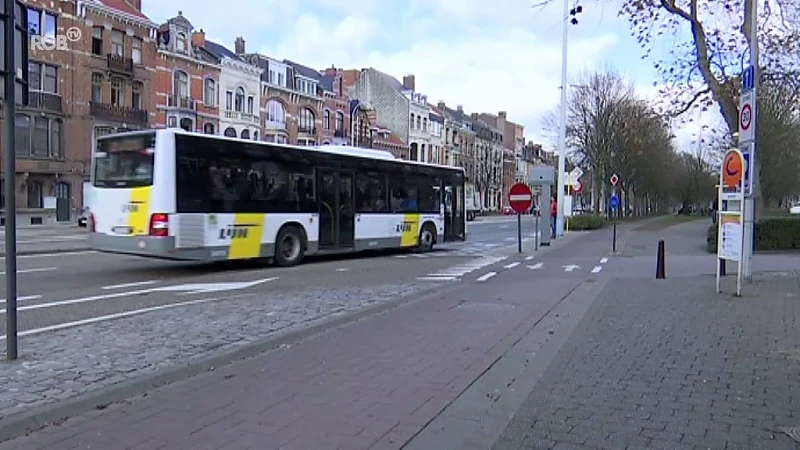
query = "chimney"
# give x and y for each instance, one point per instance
(502, 115)
(408, 83)
(239, 46)
(460, 108)
(199, 39)
(136, 4)
(441, 105)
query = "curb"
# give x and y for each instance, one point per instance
(36, 418)
(48, 251)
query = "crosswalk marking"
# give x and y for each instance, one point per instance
(536, 266)
(597, 269)
(511, 266)
(456, 272)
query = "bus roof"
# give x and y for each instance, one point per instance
(344, 150)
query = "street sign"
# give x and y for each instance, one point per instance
(613, 202)
(746, 117)
(520, 198)
(747, 150)
(577, 187)
(614, 180)
(575, 175)
(732, 169)
(748, 78)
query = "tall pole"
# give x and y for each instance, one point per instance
(749, 201)
(562, 138)
(9, 108)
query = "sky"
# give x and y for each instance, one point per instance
(486, 55)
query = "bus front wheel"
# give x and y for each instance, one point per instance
(427, 237)
(289, 247)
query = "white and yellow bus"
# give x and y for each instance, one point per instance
(178, 195)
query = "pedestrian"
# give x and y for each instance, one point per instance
(553, 214)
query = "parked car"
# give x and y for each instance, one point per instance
(507, 211)
(83, 218)
(795, 208)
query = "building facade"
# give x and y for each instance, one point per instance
(335, 108)
(436, 121)
(98, 85)
(460, 136)
(186, 79)
(419, 127)
(382, 93)
(239, 90)
(489, 153)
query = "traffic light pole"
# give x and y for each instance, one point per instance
(9, 110)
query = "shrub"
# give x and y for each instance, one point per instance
(771, 234)
(587, 222)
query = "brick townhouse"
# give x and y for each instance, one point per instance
(336, 108)
(100, 84)
(186, 79)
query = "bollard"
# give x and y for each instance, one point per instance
(660, 269)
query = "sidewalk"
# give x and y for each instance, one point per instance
(660, 364)
(372, 384)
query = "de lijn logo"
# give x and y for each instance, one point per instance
(57, 42)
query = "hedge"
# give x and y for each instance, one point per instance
(771, 234)
(587, 222)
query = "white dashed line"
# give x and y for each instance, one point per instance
(511, 266)
(128, 285)
(486, 277)
(603, 260)
(597, 269)
(442, 278)
(528, 258)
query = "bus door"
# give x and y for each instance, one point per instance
(453, 211)
(336, 209)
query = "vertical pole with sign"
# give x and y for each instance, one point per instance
(748, 112)
(731, 242)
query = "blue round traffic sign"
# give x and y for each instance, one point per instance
(613, 202)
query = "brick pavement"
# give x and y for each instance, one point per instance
(373, 384)
(672, 365)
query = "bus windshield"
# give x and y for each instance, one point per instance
(125, 161)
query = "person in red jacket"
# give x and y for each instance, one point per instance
(553, 216)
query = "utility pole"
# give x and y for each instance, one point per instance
(749, 201)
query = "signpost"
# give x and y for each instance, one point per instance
(520, 198)
(730, 242)
(747, 145)
(613, 204)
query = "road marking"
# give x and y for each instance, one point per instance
(503, 226)
(463, 269)
(570, 267)
(528, 258)
(603, 260)
(401, 256)
(437, 278)
(128, 285)
(511, 266)
(419, 255)
(486, 276)
(511, 239)
(342, 269)
(49, 255)
(597, 269)
(40, 269)
(24, 298)
(120, 315)
(536, 266)
(192, 288)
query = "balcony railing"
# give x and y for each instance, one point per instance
(45, 101)
(118, 113)
(119, 63)
(182, 102)
(306, 129)
(241, 116)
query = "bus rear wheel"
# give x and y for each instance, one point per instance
(290, 247)
(427, 237)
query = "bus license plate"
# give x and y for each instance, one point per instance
(122, 230)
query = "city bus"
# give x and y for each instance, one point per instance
(179, 195)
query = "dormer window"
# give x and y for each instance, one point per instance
(181, 43)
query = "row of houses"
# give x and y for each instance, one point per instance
(126, 72)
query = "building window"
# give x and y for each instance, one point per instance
(180, 43)
(136, 51)
(424, 124)
(117, 92)
(117, 42)
(180, 85)
(55, 138)
(339, 121)
(245, 134)
(208, 128)
(97, 88)
(239, 100)
(411, 122)
(39, 137)
(419, 122)
(97, 41)
(22, 125)
(305, 121)
(34, 189)
(187, 124)
(43, 77)
(172, 122)
(250, 104)
(326, 120)
(255, 135)
(41, 23)
(276, 115)
(210, 92)
(230, 132)
(136, 95)
(228, 100)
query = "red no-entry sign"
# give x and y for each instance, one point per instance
(520, 198)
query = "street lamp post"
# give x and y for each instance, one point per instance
(569, 18)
